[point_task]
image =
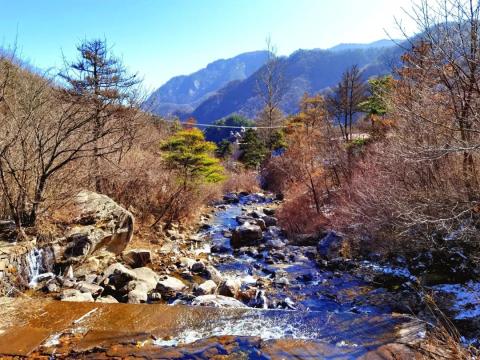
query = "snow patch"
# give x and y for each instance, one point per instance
(466, 301)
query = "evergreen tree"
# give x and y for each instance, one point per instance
(376, 105)
(253, 149)
(99, 77)
(190, 155)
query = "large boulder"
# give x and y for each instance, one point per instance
(118, 276)
(246, 235)
(330, 246)
(147, 276)
(134, 285)
(217, 301)
(137, 292)
(98, 223)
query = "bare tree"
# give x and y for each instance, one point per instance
(445, 62)
(270, 88)
(344, 102)
(45, 129)
(99, 76)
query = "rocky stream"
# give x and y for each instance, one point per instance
(237, 288)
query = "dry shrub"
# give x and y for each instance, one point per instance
(275, 177)
(298, 215)
(441, 344)
(242, 180)
(152, 192)
(443, 340)
(399, 205)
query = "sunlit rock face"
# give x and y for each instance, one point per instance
(98, 223)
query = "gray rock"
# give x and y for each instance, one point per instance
(169, 286)
(229, 287)
(305, 239)
(187, 262)
(206, 288)
(255, 214)
(91, 278)
(231, 198)
(270, 221)
(213, 274)
(261, 223)
(117, 275)
(137, 296)
(75, 295)
(241, 219)
(52, 287)
(269, 211)
(155, 296)
(86, 287)
(275, 244)
(99, 223)
(217, 301)
(283, 281)
(246, 235)
(330, 246)
(198, 267)
(147, 276)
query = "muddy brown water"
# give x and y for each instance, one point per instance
(54, 329)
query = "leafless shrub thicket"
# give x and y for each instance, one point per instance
(419, 187)
(58, 137)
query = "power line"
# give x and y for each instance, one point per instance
(226, 126)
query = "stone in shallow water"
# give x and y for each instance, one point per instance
(206, 288)
(107, 300)
(75, 295)
(169, 286)
(246, 235)
(229, 287)
(217, 301)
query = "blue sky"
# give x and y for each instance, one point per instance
(163, 38)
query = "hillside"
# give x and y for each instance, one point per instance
(308, 71)
(182, 94)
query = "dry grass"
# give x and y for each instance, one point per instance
(242, 180)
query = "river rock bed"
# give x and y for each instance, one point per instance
(240, 258)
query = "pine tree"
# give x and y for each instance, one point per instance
(191, 157)
(99, 77)
(253, 149)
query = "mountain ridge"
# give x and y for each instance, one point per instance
(306, 70)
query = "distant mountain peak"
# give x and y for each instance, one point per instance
(228, 86)
(355, 46)
(184, 93)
